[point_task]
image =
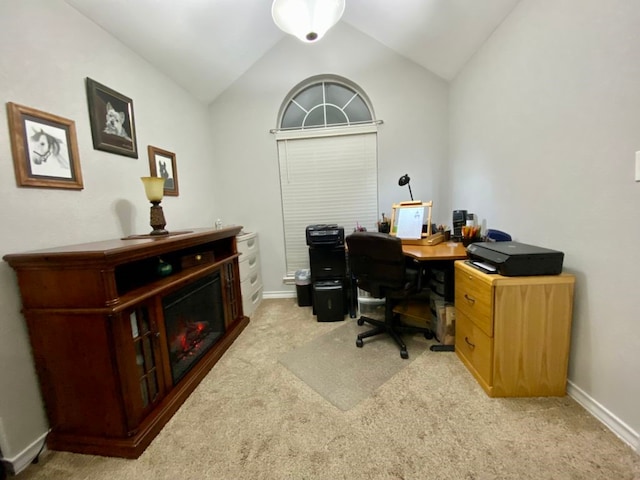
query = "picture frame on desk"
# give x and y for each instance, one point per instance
(44, 148)
(425, 237)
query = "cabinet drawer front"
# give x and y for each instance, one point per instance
(250, 302)
(251, 283)
(474, 298)
(248, 245)
(249, 265)
(475, 346)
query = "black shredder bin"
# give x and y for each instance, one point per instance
(328, 300)
(303, 287)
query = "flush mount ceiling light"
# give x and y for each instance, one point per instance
(308, 20)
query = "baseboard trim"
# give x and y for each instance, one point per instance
(22, 460)
(281, 294)
(613, 423)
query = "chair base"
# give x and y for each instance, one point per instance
(393, 328)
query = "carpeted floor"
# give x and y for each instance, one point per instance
(333, 367)
(252, 418)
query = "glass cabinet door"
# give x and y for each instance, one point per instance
(233, 303)
(144, 336)
(139, 362)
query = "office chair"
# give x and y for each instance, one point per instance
(378, 266)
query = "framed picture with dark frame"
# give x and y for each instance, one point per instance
(162, 163)
(112, 121)
(45, 149)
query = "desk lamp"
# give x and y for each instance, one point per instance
(154, 188)
(404, 180)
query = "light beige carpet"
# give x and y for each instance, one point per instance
(332, 365)
(251, 418)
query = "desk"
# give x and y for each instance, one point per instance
(442, 251)
(446, 251)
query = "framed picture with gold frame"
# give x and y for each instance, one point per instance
(44, 148)
(162, 163)
(420, 236)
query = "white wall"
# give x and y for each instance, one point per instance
(46, 51)
(545, 120)
(411, 101)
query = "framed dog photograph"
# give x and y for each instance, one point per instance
(112, 122)
(163, 164)
(45, 149)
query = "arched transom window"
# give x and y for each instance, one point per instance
(324, 104)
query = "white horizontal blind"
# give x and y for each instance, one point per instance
(331, 179)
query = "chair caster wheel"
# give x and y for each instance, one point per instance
(359, 342)
(428, 335)
(404, 354)
(360, 321)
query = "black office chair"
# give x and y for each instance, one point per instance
(378, 266)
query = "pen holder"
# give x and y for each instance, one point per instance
(466, 241)
(384, 227)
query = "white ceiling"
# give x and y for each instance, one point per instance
(205, 45)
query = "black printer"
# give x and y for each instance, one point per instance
(514, 259)
(325, 235)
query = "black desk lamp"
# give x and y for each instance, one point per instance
(404, 180)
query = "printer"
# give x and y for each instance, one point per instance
(325, 235)
(515, 259)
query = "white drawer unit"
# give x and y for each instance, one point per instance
(250, 276)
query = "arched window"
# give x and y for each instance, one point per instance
(325, 103)
(327, 152)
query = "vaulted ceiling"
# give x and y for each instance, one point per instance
(205, 45)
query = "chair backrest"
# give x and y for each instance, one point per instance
(376, 262)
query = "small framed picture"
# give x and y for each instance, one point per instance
(112, 121)
(163, 164)
(45, 149)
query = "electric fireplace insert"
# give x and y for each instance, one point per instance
(194, 321)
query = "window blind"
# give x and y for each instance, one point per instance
(326, 179)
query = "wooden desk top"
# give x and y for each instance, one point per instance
(441, 251)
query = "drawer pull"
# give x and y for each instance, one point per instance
(250, 243)
(471, 345)
(469, 299)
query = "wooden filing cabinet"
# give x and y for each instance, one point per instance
(513, 333)
(250, 275)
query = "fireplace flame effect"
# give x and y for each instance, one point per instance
(190, 336)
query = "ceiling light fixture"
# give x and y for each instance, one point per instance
(308, 20)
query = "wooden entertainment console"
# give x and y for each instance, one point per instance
(102, 349)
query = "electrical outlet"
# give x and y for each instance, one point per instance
(637, 166)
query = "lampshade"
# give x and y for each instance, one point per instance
(153, 187)
(404, 180)
(308, 20)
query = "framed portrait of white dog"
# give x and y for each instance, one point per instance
(112, 122)
(162, 163)
(45, 149)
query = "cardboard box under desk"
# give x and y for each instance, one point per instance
(415, 312)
